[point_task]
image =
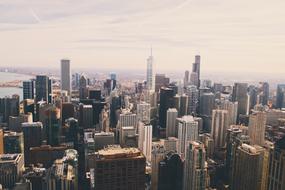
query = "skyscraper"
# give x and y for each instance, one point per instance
(170, 175)
(28, 89)
(280, 98)
(195, 171)
(166, 102)
(193, 95)
(143, 112)
(240, 95)
(149, 72)
(276, 179)
(187, 131)
(186, 78)
(220, 125)
(196, 68)
(32, 138)
(247, 168)
(127, 164)
(206, 105)
(65, 76)
(256, 128)
(43, 88)
(145, 140)
(83, 91)
(157, 155)
(171, 117)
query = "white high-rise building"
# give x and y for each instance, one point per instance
(171, 117)
(127, 119)
(149, 72)
(220, 125)
(232, 108)
(145, 140)
(143, 112)
(187, 131)
(65, 76)
(195, 171)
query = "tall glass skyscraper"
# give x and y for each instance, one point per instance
(149, 72)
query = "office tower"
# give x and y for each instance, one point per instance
(29, 106)
(16, 121)
(127, 118)
(280, 98)
(127, 164)
(196, 68)
(11, 169)
(161, 81)
(143, 112)
(68, 111)
(218, 87)
(207, 84)
(86, 116)
(232, 108)
(220, 125)
(263, 93)
(209, 144)
(128, 136)
(73, 131)
(28, 89)
(184, 105)
(240, 96)
(149, 72)
(63, 175)
(170, 144)
(65, 77)
(206, 106)
(193, 95)
(235, 138)
(200, 123)
(170, 172)
(194, 79)
(158, 154)
(256, 128)
(247, 167)
(171, 117)
(145, 140)
(37, 176)
(32, 138)
(103, 139)
(1, 141)
(13, 142)
(43, 88)
(46, 155)
(52, 124)
(89, 141)
(76, 80)
(166, 102)
(276, 180)
(187, 131)
(186, 78)
(83, 91)
(9, 106)
(252, 98)
(195, 171)
(94, 94)
(177, 102)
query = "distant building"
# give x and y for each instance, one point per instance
(9, 106)
(166, 102)
(13, 142)
(43, 88)
(240, 96)
(256, 128)
(193, 97)
(149, 73)
(103, 139)
(28, 89)
(196, 68)
(143, 112)
(127, 164)
(65, 76)
(280, 98)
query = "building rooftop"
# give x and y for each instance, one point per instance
(116, 152)
(5, 158)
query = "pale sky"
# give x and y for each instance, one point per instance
(234, 35)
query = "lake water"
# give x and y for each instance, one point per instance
(8, 91)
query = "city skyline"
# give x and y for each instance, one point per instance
(240, 36)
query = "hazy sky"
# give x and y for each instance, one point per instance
(243, 35)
